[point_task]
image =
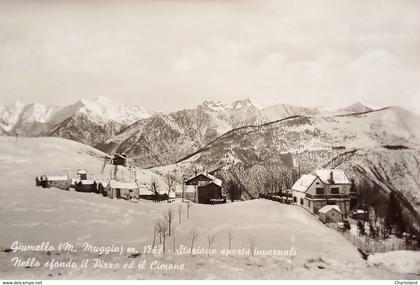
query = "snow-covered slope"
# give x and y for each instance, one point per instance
(402, 261)
(32, 214)
(103, 109)
(395, 169)
(35, 119)
(9, 115)
(93, 122)
(97, 121)
(281, 111)
(359, 107)
(391, 126)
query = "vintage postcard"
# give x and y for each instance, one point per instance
(209, 140)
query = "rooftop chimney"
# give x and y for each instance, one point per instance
(331, 177)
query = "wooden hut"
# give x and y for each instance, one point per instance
(122, 190)
(103, 187)
(119, 159)
(61, 182)
(82, 173)
(208, 189)
(330, 214)
(86, 186)
(38, 181)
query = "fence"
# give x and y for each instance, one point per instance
(370, 245)
(364, 242)
(281, 199)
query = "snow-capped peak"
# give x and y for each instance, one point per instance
(105, 109)
(216, 105)
(368, 105)
(9, 115)
(37, 112)
(358, 107)
(219, 106)
(247, 103)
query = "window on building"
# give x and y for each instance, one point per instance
(309, 203)
(203, 183)
(294, 199)
(319, 191)
(301, 201)
(335, 190)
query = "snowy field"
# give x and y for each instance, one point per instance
(32, 215)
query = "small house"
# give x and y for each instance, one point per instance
(360, 214)
(103, 187)
(61, 182)
(322, 187)
(330, 214)
(122, 190)
(82, 173)
(38, 181)
(208, 189)
(86, 186)
(119, 159)
(73, 182)
(146, 192)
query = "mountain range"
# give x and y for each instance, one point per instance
(89, 122)
(165, 138)
(150, 138)
(381, 145)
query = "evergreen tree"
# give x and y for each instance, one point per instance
(361, 228)
(347, 225)
(372, 231)
(409, 236)
(234, 190)
(394, 217)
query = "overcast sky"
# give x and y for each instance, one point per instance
(168, 55)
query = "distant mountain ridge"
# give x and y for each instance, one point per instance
(111, 126)
(382, 146)
(166, 138)
(49, 120)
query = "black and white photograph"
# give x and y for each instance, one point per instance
(217, 140)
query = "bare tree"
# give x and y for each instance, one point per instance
(163, 229)
(188, 209)
(194, 236)
(173, 239)
(170, 180)
(230, 237)
(180, 213)
(154, 186)
(169, 218)
(210, 241)
(155, 233)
